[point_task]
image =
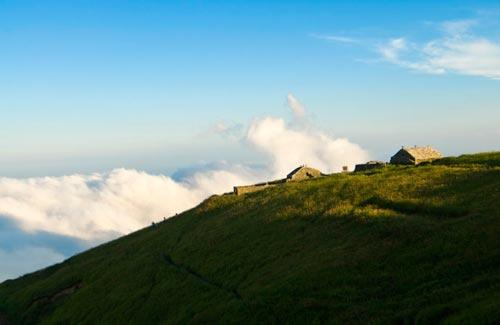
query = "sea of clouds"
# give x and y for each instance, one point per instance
(101, 206)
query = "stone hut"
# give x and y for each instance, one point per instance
(373, 164)
(303, 172)
(415, 155)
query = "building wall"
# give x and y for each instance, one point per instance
(362, 167)
(239, 190)
(403, 157)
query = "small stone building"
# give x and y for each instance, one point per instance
(415, 155)
(303, 172)
(373, 164)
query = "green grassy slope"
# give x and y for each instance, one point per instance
(403, 244)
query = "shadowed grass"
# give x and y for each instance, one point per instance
(415, 207)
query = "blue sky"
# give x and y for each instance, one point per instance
(90, 86)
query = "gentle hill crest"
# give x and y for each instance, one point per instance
(398, 244)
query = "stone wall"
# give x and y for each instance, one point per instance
(369, 165)
(239, 190)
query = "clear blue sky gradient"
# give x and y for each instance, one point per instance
(92, 85)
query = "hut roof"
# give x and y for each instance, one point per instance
(426, 152)
(296, 170)
(293, 172)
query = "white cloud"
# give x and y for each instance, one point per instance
(473, 56)
(289, 148)
(396, 48)
(458, 51)
(26, 259)
(220, 127)
(393, 49)
(101, 206)
(233, 130)
(298, 109)
(336, 38)
(222, 180)
(457, 28)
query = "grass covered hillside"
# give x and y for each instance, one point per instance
(398, 245)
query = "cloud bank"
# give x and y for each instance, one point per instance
(101, 206)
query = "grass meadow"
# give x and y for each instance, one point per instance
(397, 245)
